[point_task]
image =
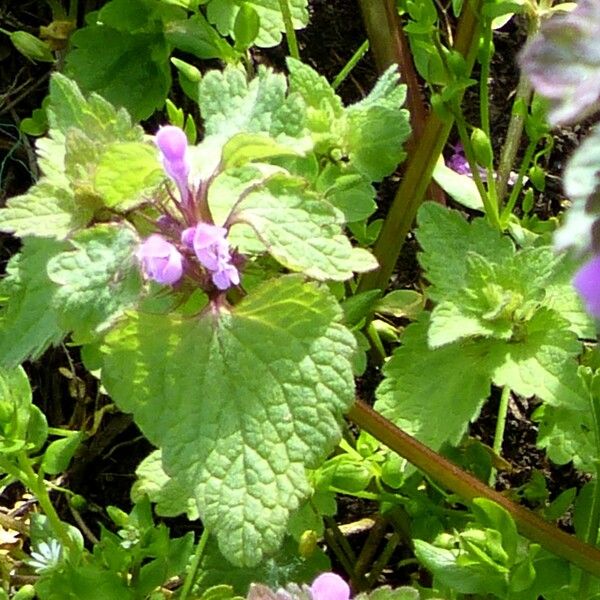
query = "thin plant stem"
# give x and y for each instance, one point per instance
(514, 195)
(35, 482)
(58, 12)
(500, 428)
(467, 486)
(73, 9)
(356, 57)
(484, 85)
(192, 573)
(513, 136)
(491, 208)
(591, 534)
(290, 33)
(383, 558)
(419, 167)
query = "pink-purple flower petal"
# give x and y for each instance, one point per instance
(329, 586)
(587, 283)
(172, 143)
(160, 260)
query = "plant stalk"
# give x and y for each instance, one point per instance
(190, 577)
(290, 32)
(354, 60)
(468, 487)
(419, 167)
(500, 428)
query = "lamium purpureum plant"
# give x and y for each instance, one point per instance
(201, 300)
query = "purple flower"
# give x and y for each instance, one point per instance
(329, 586)
(172, 143)
(160, 260)
(458, 162)
(212, 249)
(587, 283)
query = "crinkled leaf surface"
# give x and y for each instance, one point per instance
(46, 211)
(229, 104)
(301, 230)
(98, 278)
(446, 238)
(28, 324)
(222, 13)
(125, 173)
(369, 133)
(439, 406)
(65, 199)
(240, 403)
(563, 62)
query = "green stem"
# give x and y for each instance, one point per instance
(73, 9)
(35, 482)
(190, 577)
(341, 76)
(514, 195)
(58, 12)
(290, 33)
(500, 428)
(490, 207)
(591, 534)
(468, 487)
(513, 136)
(419, 167)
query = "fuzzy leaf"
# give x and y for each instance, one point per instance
(237, 416)
(439, 407)
(229, 104)
(125, 173)
(301, 230)
(98, 278)
(539, 360)
(223, 13)
(28, 323)
(44, 211)
(446, 237)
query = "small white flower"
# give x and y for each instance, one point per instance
(46, 556)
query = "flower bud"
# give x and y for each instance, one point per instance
(172, 143)
(31, 47)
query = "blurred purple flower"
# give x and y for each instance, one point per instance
(329, 586)
(160, 260)
(587, 283)
(458, 162)
(212, 249)
(172, 143)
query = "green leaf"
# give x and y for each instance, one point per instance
(539, 360)
(462, 576)
(237, 416)
(22, 425)
(374, 138)
(196, 36)
(223, 14)
(124, 56)
(45, 211)
(461, 188)
(348, 191)
(420, 405)
(28, 322)
(246, 27)
(446, 237)
(59, 453)
(170, 498)
(229, 104)
(125, 173)
(98, 278)
(301, 230)
(100, 120)
(246, 147)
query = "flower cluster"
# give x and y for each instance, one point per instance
(166, 260)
